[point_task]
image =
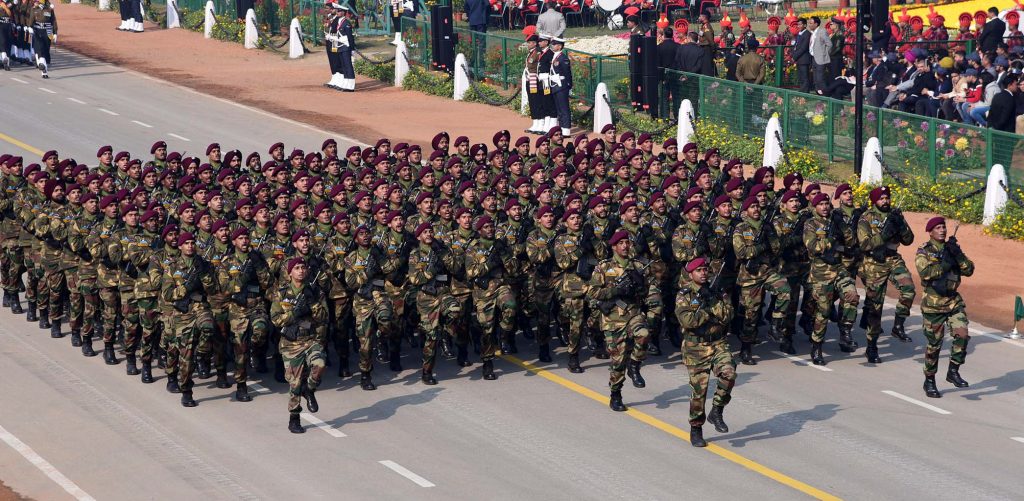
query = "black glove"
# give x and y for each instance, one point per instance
(891, 229)
(192, 283)
(85, 254)
(493, 260)
(301, 309)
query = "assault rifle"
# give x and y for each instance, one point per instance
(628, 281)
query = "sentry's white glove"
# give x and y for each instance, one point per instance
(54, 38)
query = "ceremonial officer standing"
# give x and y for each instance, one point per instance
(941, 263)
(340, 42)
(704, 315)
(534, 87)
(561, 84)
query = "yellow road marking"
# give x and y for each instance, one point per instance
(677, 432)
(27, 147)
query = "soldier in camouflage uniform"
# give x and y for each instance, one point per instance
(619, 285)
(147, 288)
(573, 250)
(245, 277)
(186, 284)
(339, 245)
(705, 315)
(395, 245)
(545, 277)
(373, 312)
(880, 232)
(458, 241)
(487, 262)
(211, 347)
(83, 229)
(828, 278)
(756, 245)
(429, 265)
(159, 265)
(846, 216)
(299, 311)
(121, 250)
(50, 228)
(788, 225)
(29, 203)
(101, 242)
(941, 263)
(12, 259)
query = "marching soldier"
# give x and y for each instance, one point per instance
(245, 277)
(941, 263)
(44, 33)
(574, 255)
(371, 306)
(540, 251)
(487, 263)
(704, 314)
(429, 265)
(880, 232)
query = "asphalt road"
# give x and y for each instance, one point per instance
(76, 428)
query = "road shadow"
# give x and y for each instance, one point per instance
(782, 425)
(1007, 383)
(384, 409)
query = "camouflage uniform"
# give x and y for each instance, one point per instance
(883, 263)
(756, 249)
(395, 267)
(704, 318)
(302, 338)
(186, 284)
(487, 263)
(458, 241)
(370, 304)
(829, 279)
(339, 298)
(12, 260)
(570, 248)
(50, 227)
(101, 242)
(545, 277)
(429, 275)
(940, 265)
(29, 204)
(83, 230)
(245, 278)
(147, 288)
(622, 318)
(122, 249)
(795, 265)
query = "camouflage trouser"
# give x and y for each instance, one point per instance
(303, 356)
(399, 296)
(214, 342)
(703, 359)
(248, 328)
(825, 293)
(186, 330)
(150, 323)
(55, 287)
(875, 277)
(373, 318)
(496, 300)
(616, 342)
(544, 306)
(32, 274)
(460, 327)
(572, 316)
(752, 296)
(169, 342)
(12, 261)
(90, 306)
(130, 321)
(807, 307)
(75, 301)
(934, 330)
(108, 296)
(435, 310)
(655, 300)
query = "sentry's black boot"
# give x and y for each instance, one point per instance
(929, 388)
(633, 371)
(147, 372)
(697, 437)
(109, 357)
(899, 331)
(953, 376)
(715, 418)
(87, 350)
(294, 425)
(44, 318)
(615, 402)
(365, 382)
(131, 367)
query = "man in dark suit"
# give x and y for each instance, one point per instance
(1002, 115)
(992, 33)
(689, 59)
(802, 55)
(667, 47)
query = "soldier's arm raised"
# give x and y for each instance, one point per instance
(869, 238)
(927, 267)
(689, 311)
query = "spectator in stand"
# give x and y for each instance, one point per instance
(1003, 113)
(551, 22)
(476, 15)
(966, 92)
(992, 33)
(751, 67)
(802, 55)
(976, 112)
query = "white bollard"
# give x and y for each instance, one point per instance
(172, 14)
(103, 5)
(401, 62)
(461, 78)
(995, 195)
(602, 111)
(772, 146)
(523, 100)
(76, 1)
(295, 50)
(871, 168)
(686, 128)
(251, 35)
(209, 20)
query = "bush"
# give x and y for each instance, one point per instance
(1009, 223)
(383, 72)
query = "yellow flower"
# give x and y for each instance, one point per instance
(960, 144)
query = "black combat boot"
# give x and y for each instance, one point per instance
(930, 390)
(55, 330)
(395, 363)
(203, 366)
(7, 299)
(544, 353)
(446, 348)
(187, 400)
(510, 336)
(109, 357)
(463, 358)
(222, 378)
(899, 331)
(864, 317)
(16, 304)
(600, 351)
(697, 437)
(31, 315)
(343, 370)
(633, 371)
(172, 384)
(786, 346)
(489, 370)
(365, 382)
(615, 402)
(131, 367)
(654, 345)
(428, 378)
(294, 425)
(242, 393)
(715, 418)
(279, 368)
(44, 318)
(574, 364)
(87, 350)
(147, 372)
(816, 356)
(310, 396)
(953, 376)
(76, 338)
(872, 352)
(777, 329)
(746, 357)
(846, 342)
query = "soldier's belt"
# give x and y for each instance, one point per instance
(702, 338)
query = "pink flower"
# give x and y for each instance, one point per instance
(949, 152)
(902, 144)
(871, 115)
(924, 126)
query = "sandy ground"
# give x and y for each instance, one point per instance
(293, 89)
(6, 494)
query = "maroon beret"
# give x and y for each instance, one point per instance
(840, 189)
(210, 148)
(107, 200)
(792, 177)
(594, 202)
(811, 187)
(299, 234)
(104, 149)
(878, 192)
(722, 199)
(696, 263)
(619, 235)
(483, 221)
(758, 188)
(691, 205)
(167, 229)
(241, 230)
(541, 212)
(218, 225)
(569, 213)
(295, 261)
(421, 228)
(750, 201)
(626, 206)
(734, 184)
(391, 215)
(933, 222)
(788, 195)
(819, 198)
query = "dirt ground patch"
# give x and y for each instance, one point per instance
(293, 89)
(6, 494)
